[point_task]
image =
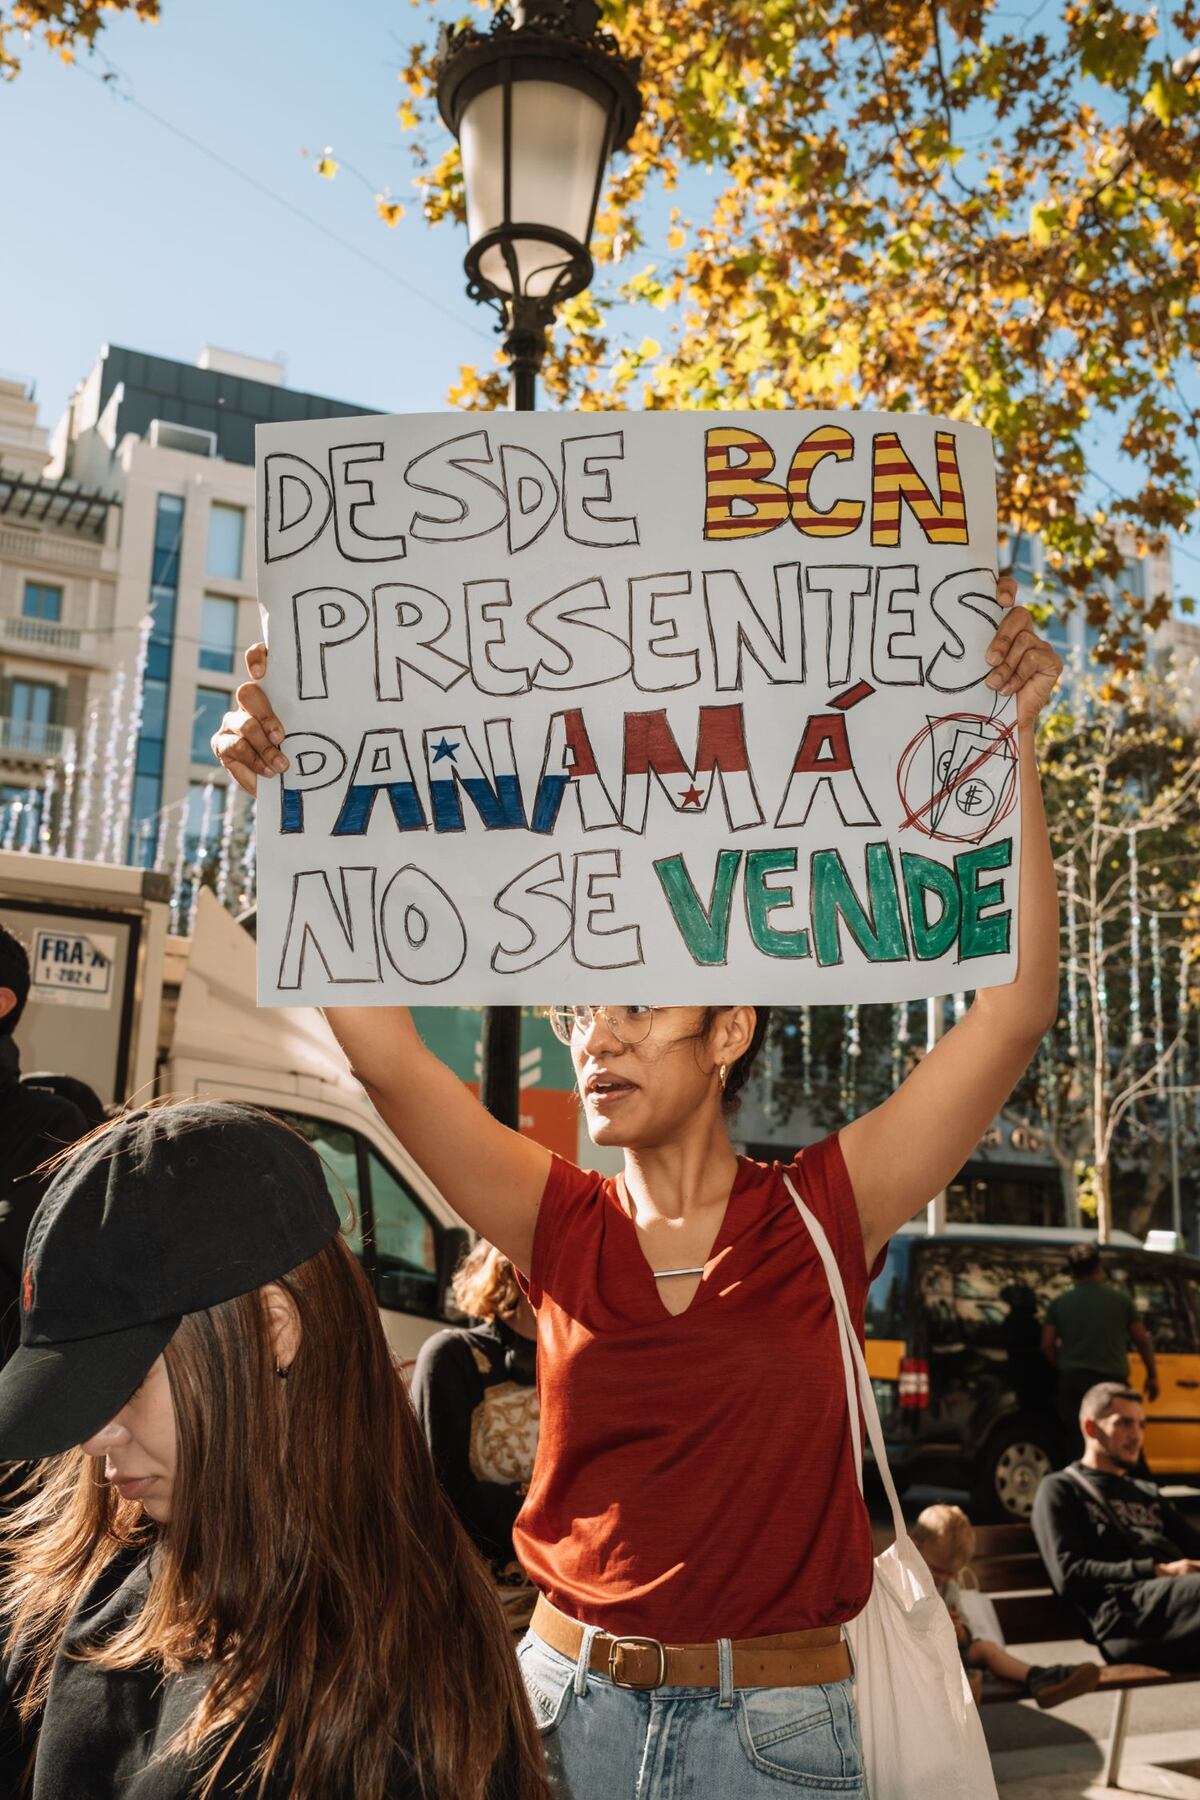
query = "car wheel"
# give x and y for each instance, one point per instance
(1012, 1469)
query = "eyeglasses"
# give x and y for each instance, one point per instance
(628, 1024)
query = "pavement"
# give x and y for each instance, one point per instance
(1059, 1755)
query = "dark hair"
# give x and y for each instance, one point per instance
(14, 974)
(1098, 1400)
(1083, 1259)
(743, 1068)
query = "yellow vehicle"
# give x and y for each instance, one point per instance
(954, 1327)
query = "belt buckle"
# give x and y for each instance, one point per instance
(642, 1643)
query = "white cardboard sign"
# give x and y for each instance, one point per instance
(655, 707)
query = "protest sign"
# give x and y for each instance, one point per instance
(664, 707)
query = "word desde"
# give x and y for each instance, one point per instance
(467, 491)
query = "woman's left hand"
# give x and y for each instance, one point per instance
(1023, 663)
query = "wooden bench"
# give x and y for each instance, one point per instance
(1009, 1569)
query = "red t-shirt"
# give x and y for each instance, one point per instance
(694, 1475)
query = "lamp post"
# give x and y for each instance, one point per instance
(538, 102)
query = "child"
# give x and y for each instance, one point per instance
(946, 1540)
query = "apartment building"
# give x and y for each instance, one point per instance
(127, 570)
(59, 547)
(1072, 636)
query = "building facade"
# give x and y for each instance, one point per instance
(127, 595)
(59, 549)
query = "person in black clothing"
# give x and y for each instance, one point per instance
(476, 1397)
(1126, 1558)
(35, 1123)
(80, 1093)
(239, 1575)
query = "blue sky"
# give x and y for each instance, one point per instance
(117, 230)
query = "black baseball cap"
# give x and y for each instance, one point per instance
(171, 1210)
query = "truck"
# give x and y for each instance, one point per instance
(118, 1001)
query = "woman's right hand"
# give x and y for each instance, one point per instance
(247, 743)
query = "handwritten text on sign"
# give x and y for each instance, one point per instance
(671, 707)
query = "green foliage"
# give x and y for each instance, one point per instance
(63, 25)
(935, 206)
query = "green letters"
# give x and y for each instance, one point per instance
(706, 933)
(923, 877)
(980, 936)
(879, 933)
(762, 901)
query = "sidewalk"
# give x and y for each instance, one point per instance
(1158, 1765)
(1059, 1755)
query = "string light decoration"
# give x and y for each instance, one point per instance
(1156, 1002)
(1135, 948)
(87, 783)
(1072, 965)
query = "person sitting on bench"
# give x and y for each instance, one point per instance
(946, 1539)
(1112, 1546)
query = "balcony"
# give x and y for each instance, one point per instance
(47, 634)
(46, 638)
(31, 740)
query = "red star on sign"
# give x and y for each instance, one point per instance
(693, 797)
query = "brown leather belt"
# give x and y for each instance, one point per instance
(791, 1659)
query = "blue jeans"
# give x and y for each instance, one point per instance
(611, 1743)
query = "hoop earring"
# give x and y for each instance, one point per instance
(723, 1075)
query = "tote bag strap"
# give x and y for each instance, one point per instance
(854, 1364)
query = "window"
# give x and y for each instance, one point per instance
(1132, 579)
(988, 1297)
(218, 634)
(35, 709)
(1158, 1302)
(168, 533)
(211, 706)
(1191, 1294)
(1023, 551)
(405, 1244)
(338, 1151)
(225, 531)
(887, 1309)
(195, 824)
(41, 602)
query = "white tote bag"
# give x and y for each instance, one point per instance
(922, 1737)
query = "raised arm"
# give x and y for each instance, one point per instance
(492, 1177)
(907, 1149)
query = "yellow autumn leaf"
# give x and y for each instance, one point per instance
(326, 166)
(649, 347)
(390, 211)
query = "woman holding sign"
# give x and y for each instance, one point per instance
(694, 1521)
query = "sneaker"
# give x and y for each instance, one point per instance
(1062, 1681)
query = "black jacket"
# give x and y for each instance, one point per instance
(1095, 1553)
(475, 1395)
(102, 1731)
(34, 1124)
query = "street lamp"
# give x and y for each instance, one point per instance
(538, 102)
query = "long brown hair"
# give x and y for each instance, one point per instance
(311, 1560)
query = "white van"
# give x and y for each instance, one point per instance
(118, 1003)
